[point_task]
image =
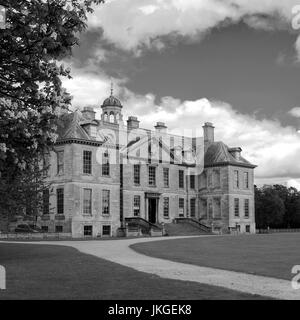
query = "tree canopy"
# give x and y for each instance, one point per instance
(37, 35)
(277, 206)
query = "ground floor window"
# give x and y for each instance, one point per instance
(58, 228)
(46, 201)
(106, 230)
(166, 207)
(136, 205)
(45, 228)
(248, 228)
(193, 207)
(210, 209)
(88, 230)
(236, 207)
(60, 200)
(181, 207)
(246, 208)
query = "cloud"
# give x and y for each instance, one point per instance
(295, 112)
(294, 183)
(140, 24)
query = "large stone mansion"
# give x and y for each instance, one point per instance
(106, 175)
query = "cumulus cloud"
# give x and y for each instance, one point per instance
(136, 24)
(295, 112)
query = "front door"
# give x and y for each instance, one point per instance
(152, 210)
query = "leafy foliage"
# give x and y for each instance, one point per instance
(277, 207)
(38, 34)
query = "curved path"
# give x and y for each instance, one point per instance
(118, 251)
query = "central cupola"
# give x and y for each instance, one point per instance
(112, 109)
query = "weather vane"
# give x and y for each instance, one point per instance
(111, 88)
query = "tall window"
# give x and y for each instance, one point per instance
(137, 174)
(46, 201)
(236, 179)
(181, 179)
(246, 180)
(166, 177)
(136, 206)
(87, 162)
(60, 200)
(152, 176)
(181, 207)
(93, 131)
(236, 207)
(60, 162)
(193, 207)
(246, 208)
(210, 209)
(87, 201)
(105, 164)
(105, 202)
(166, 207)
(192, 181)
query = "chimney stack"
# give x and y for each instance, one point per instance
(89, 113)
(160, 127)
(132, 123)
(208, 132)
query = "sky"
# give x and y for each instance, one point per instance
(235, 63)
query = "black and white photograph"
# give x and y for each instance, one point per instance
(149, 153)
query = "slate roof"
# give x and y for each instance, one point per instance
(111, 101)
(218, 154)
(69, 126)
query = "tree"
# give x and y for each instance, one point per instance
(38, 34)
(269, 208)
(277, 206)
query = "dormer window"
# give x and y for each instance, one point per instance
(93, 131)
(236, 153)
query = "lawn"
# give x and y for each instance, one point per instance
(56, 272)
(271, 255)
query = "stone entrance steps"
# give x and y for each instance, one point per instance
(183, 229)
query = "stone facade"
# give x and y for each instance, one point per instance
(100, 174)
